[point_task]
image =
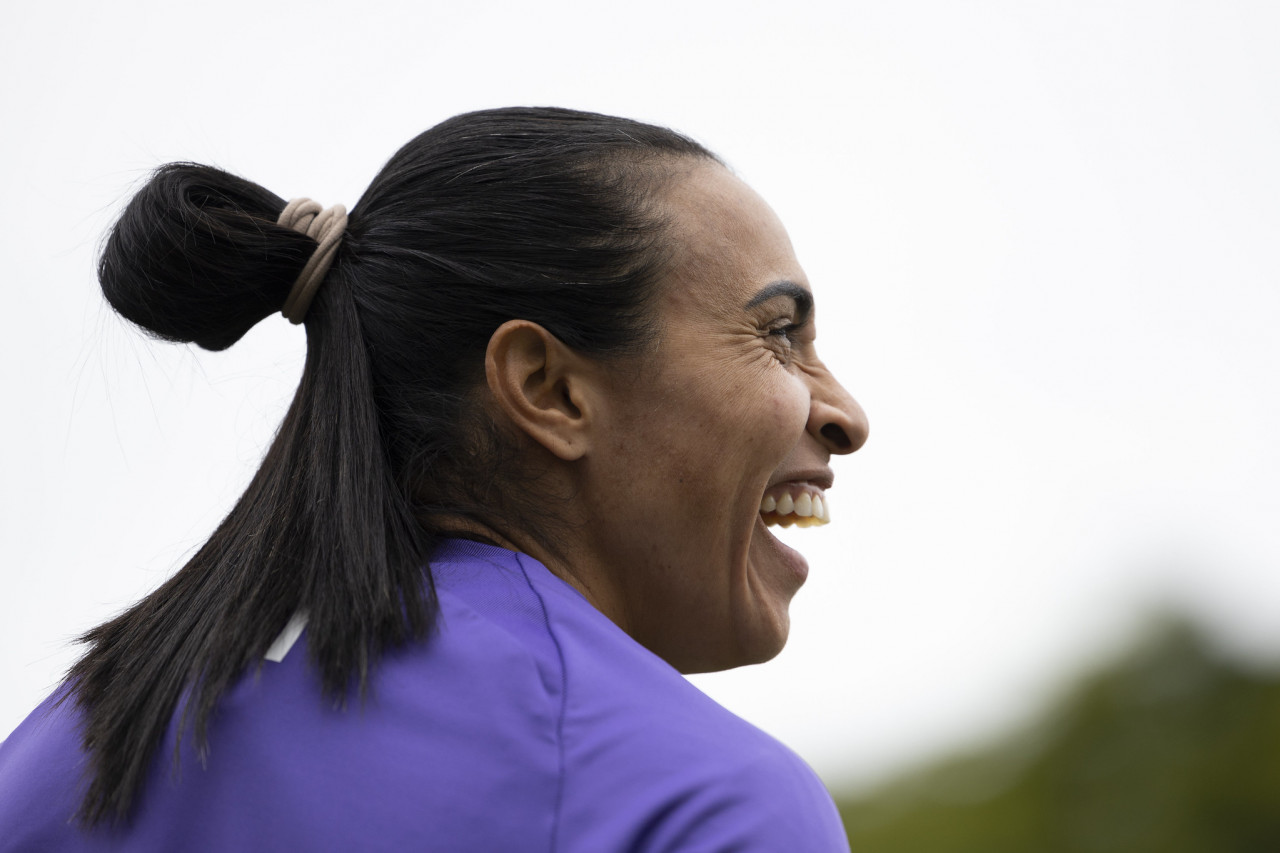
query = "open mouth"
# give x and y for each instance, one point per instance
(801, 504)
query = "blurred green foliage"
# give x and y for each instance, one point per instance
(1173, 749)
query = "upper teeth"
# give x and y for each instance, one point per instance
(805, 509)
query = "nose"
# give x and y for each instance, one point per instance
(835, 418)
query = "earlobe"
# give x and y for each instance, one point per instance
(541, 386)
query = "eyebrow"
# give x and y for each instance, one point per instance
(789, 289)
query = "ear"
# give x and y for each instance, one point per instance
(542, 386)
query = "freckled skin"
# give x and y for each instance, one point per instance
(671, 546)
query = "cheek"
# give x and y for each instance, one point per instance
(759, 430)
(788, 410)
(716, 420)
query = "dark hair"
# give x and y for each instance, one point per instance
(532, 213)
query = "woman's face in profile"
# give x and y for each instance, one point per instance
(732, 408)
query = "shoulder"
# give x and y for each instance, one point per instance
(759, 799)
(40, 767)
(684, 774)
(678, 771)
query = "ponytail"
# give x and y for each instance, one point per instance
(323, 528)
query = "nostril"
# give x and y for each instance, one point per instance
(835, 434)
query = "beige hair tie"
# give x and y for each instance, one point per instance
(325, 226)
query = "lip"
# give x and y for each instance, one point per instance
(795, 562)
(822, 478)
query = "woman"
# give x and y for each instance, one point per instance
(560, 376)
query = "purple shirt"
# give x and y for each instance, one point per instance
(528, 722)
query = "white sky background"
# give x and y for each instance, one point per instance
(1043, 237)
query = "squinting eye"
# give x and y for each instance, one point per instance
(784, 332)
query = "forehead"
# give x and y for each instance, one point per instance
(726, 242)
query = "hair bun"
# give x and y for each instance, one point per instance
(197, 256)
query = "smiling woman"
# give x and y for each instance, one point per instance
(694, 574)
(561, 377)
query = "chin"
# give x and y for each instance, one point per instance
(766, 648)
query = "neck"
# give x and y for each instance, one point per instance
(567, 562)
